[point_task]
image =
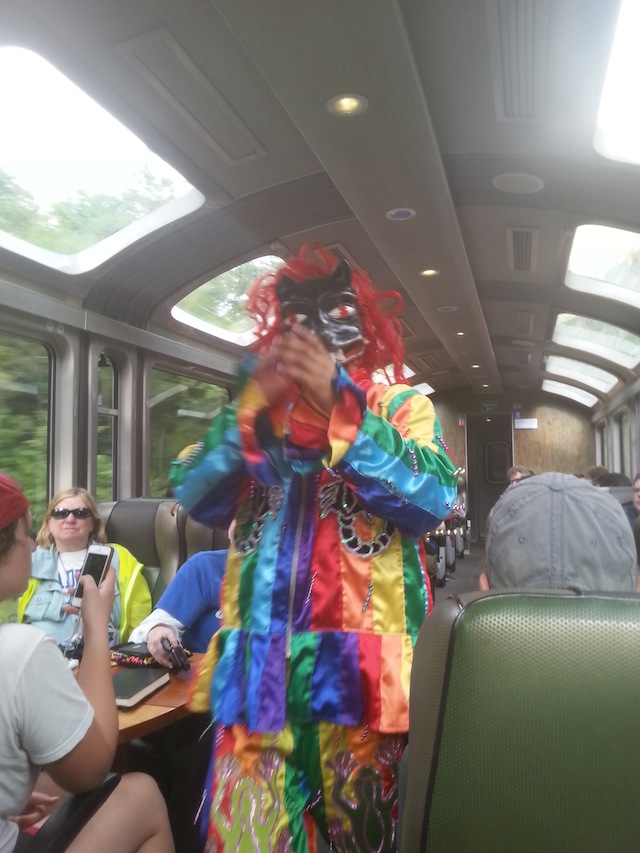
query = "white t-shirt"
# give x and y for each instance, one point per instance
(43, 716)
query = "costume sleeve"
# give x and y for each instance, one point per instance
(208, 482)
(386, 443)
(243, 443)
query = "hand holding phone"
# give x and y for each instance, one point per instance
(95, 564)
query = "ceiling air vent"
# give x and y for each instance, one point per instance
(523, 322)
(522, 249)
(518, 40)
(523, 358)
(430, 361)
(340, 250)
(166, 66)
(407, 331)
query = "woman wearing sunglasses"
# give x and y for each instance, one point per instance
(71, 523)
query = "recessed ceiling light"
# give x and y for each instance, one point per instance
(475, 365)
(398, 214)
(518, 183)
(347, 104)
(447, 309)
(485, 385)
(429, 272)
(460, 334)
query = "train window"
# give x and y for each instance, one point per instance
(569, 391)
(606, 262)
(601, 444)
(611, 342)
(218, 307)
(424, 388)
(618, 131)
(71, 175)
(588, 374)
(387, 375)
(25, 388)
(107, 419)
(180, 411)
(622, 439)
(497, 458)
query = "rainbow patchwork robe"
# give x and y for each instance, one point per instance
(326, 585)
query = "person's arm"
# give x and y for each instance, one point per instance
(209, 481)
(159, 616)
(194, 591)
(87, 763)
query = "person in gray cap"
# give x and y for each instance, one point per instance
(556, 530)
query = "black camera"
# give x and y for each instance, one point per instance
(73, 647)
(177, 656)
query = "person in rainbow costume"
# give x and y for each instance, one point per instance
(332, 479)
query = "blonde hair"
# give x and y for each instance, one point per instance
(98, 533)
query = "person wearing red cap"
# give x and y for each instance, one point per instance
(51, 721)
(13, 503)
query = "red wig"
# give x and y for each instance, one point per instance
(381, 329)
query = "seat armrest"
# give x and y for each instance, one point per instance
(66, 822)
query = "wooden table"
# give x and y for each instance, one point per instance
(160, 709)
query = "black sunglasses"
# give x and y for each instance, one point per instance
(81, 512)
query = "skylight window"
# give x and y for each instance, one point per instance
(611, 342)
(424, 388)
(606, 262)
(387, 376)
(582, 372)
(570, 391)
(218, 307)
(617, 133)
(75, 185)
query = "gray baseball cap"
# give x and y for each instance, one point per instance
(556, 530)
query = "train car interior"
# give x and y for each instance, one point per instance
(458, 151)
(479, 157)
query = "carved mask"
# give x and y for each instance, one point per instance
(327, 306)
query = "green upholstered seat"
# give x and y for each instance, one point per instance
(525, 726)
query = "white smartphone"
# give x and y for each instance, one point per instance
(96, 563)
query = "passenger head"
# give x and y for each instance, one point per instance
(53, 529)
(613, 479)
(555, 530)
(596, 471)
(517, 473)
(338, 302)
(15, 543)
